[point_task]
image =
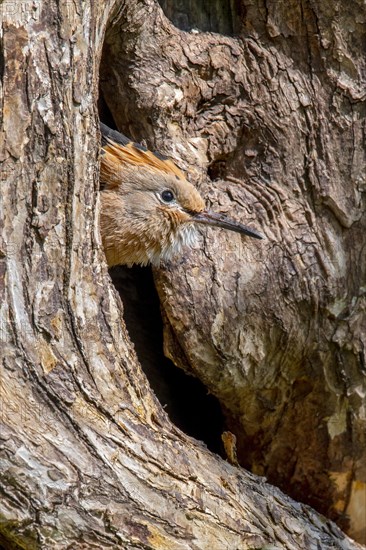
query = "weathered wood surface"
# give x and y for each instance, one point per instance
(88, 457)
(276, 330)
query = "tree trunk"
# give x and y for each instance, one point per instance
(88, 457)
(275, 330)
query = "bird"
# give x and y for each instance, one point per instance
(149, 211)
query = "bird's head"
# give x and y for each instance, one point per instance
(149, 210)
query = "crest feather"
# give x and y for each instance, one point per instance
(120, 149)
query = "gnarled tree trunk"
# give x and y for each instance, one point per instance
(88, 457)
(275, 115)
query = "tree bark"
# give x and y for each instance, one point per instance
(276, 330)
(88, 456)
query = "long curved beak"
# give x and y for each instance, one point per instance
(219, 220)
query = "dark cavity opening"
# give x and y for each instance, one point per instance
(105, 114)
(184, 398)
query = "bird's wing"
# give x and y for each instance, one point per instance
(120, 150)
(113, 135)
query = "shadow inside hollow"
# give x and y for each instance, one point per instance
(185, 398)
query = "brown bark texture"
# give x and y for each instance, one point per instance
(270, 124)
(88, 458)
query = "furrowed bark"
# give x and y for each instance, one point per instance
(270, 124)
(89, 459)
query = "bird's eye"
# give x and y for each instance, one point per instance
(167, 195)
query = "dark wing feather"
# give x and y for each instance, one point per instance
(113, 135)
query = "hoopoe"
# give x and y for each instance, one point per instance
(149, 211)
